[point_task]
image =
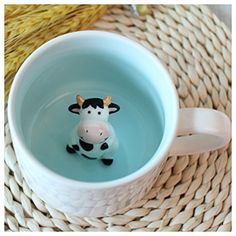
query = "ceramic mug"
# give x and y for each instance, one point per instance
(150, 125)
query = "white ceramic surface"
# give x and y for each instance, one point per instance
(210, 130)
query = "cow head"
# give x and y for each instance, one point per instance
(94, 113)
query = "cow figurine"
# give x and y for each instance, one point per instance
(94, 137)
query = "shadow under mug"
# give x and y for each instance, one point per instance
(150, 126)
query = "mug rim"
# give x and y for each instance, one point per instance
(147, 167)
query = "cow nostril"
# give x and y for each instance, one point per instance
(101, 134)
(86, 131)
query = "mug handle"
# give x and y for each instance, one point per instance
(200, 130)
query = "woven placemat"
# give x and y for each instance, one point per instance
(192, 193)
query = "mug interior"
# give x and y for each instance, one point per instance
(93, 64)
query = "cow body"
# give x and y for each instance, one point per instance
(94, 137)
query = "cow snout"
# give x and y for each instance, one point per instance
(93, 132)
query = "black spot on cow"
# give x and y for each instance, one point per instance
(70, 149)
(107, 162)
(76, 147)
(104, 146)
(86, 146)
(94, 102)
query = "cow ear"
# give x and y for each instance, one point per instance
(74, 108)
(113, 108)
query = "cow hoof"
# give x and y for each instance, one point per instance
(69, 149)
(107, 162)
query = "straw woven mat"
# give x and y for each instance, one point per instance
(193, 193)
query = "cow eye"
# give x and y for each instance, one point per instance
(99, 113)
(89, 112)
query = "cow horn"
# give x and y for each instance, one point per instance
(107, 100)
(79, 100)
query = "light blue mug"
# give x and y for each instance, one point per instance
(96, 64)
